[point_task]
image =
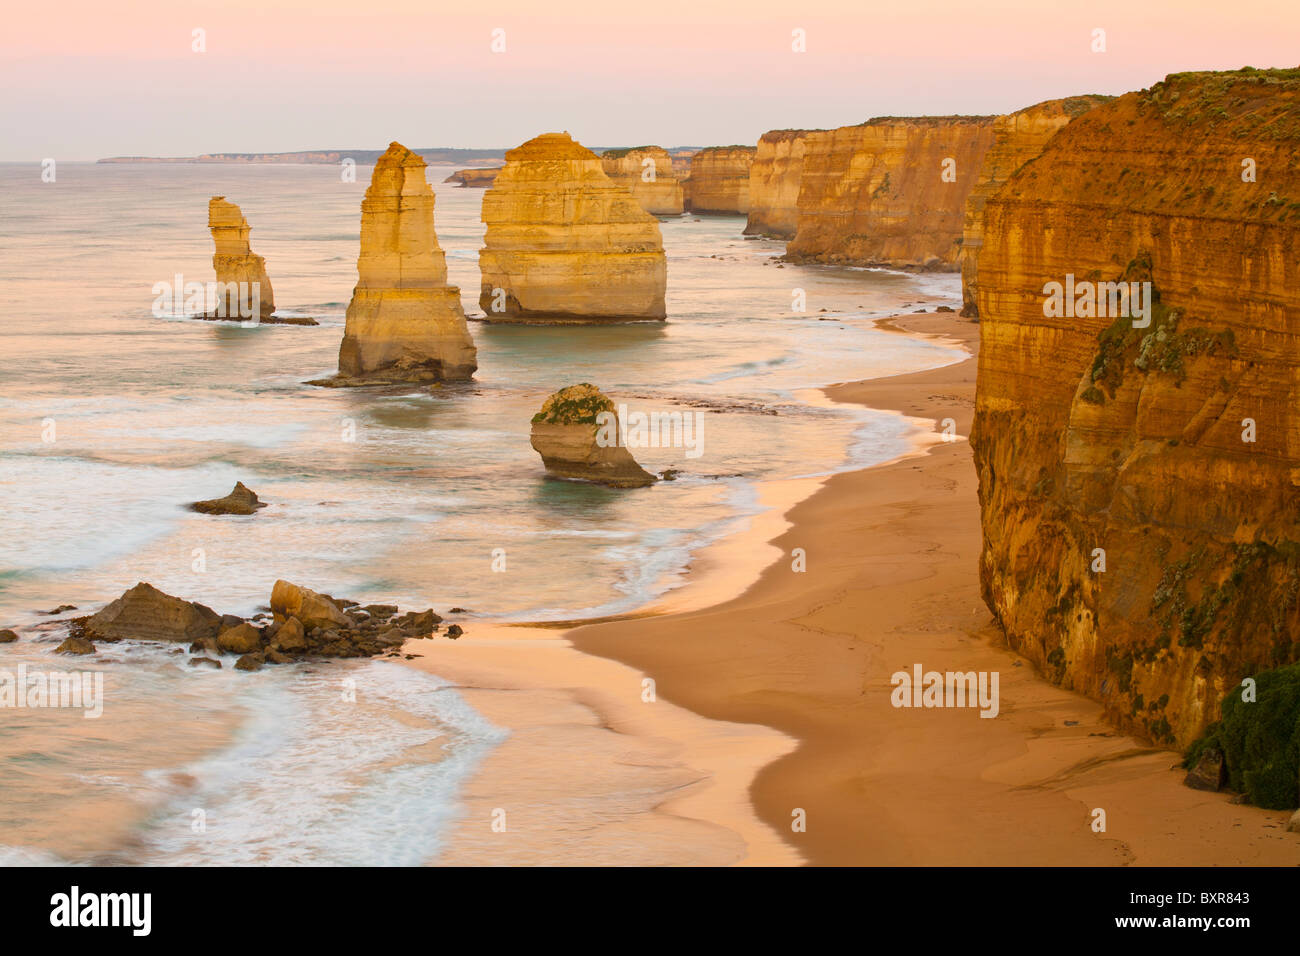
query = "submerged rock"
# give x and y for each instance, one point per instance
(576, 433)
(147, 614)
(240, 639)
(75, 645)
(7, 636)
(240, 501)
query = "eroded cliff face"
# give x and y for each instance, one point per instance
(649, 174)
(565, 243)
(1017, 138)
(719, 180)
(889, 192)
(234, 260)
(404, 323)
(774, 181)
(1168, 455)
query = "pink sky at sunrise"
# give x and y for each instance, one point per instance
(83, 80)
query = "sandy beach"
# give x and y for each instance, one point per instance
(772, 697)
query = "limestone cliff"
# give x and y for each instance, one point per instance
(719, 180)
(235, 262)
(649, 173)
(1017, 138)
(565, 243)
(1169, 455)
(577, 434)
(774, 183)
(891, 191)
(404, 323)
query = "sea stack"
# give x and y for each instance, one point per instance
(567, 244)
(774, 181)
(1139, 466)
(648, 172)
(474, 178)
(1017, 138)
(890, 192)
(404, 323)
(235, 262)
(719, 180)
(578, 435)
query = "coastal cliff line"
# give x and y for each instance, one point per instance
(1138, 472)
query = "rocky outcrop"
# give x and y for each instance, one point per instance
(577, 434)
(146, 614)
(474, 178)
(890, 192)
(240, 501)
(1138, 486)
(648, 172)
(304, 625)
(404, 323)
(565, 243)
(774, 183)
(1017, 138)
(719, 180)
(8, 636)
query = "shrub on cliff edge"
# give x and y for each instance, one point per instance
(1260, 740)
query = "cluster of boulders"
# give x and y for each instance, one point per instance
(302, 625)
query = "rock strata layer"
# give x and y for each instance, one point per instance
(649, 174)
(1138, 485)
(565, 243)
(1017, 138)
(577, 434)
(719, 180)
(404, 323)
(774, 180)
(890, 192)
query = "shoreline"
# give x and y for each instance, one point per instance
(891, 581)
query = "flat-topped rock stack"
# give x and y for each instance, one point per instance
(719, 180)
(649, 173)
(774, 181)
(567, 244)
(404, 323)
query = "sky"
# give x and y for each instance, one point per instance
(85, 79)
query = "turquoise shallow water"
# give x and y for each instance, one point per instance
(112, 420)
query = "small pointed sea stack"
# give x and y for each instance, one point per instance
(404, 324)
(577, 434)
(235, 262)
(565, 243)
(648, 172)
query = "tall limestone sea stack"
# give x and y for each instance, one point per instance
(404, 323)
(1017, 138)
(649, 173)
(1139, 473)
(567, 244)
(889, 192)
(774, 181)
(235, 262)
(719, 180)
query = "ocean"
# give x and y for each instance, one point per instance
(112, 420)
